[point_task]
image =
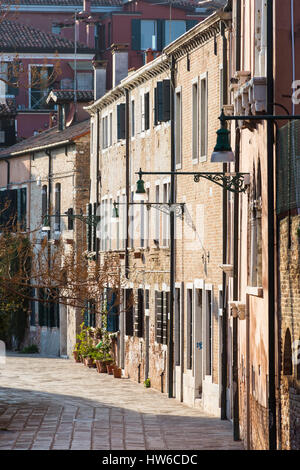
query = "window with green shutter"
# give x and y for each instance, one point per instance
(121, 121)
(129, 310)
(139, 316)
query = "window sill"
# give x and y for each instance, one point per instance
(255, 291)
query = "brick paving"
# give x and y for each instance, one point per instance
(52, 403)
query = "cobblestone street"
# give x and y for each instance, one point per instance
(52, 403)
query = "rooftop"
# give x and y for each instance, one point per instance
(65, 96)
(49, 138)
(16, 37)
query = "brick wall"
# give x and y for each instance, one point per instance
(289, 272)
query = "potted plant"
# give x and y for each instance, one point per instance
(109, 363)
(110, 368)
(117, 371)
(99, 358)
(76, 354)
(147, 383)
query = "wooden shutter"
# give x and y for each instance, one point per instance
(139, 317)
(44, 202)
(121, 121)
(158, 316)
(136, 35)
(165, 301)
(89, 228)
(166, 100)
(22, 205)
(147, 110)
(159, 101)
(57, 206)
(94, 228)
(70, 219)
(129, 311)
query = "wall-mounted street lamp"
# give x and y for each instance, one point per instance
(222, 152)
(234, 182)
(92, 220)
(165, 207)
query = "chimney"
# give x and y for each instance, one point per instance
(99, 78)
(81, 31)
(52, 120)
(120, 63)
(90, 33)
(149, 55)
(87, 6)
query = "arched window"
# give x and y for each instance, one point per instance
(287, 354)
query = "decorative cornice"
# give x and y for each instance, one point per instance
(195, 37)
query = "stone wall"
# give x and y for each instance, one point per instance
(289, 282)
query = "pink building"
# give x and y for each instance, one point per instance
(42, 35)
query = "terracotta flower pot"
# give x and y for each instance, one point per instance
(89, 362)
(110, 368)
(101, 366)
(76, 356)
(117, 373)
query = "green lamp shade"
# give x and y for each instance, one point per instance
(140, 191)
(222, 152)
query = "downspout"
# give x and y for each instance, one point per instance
(172, 237)
(127, 184)
(271, 264)
(238, 38)
(224, 356)
(127, 150)
(235, 377)
(97, 157)
(97, 176)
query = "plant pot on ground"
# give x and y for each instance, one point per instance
(110, 368)
(101, 366)
(90, 362)
(117, 372)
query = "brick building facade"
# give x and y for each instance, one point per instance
(55, 174)
(131, 129)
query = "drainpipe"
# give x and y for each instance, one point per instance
(224, 356)
(97, 175)
(271, 264)
(127, 184)
(48, 153)
(172, 238)
(238, 38)
(236, 417)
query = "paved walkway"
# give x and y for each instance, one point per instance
(52, 403)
